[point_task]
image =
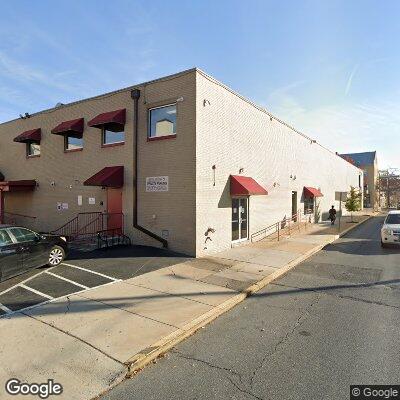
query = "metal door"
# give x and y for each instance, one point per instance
(239, 218)
(294, 206)
(114, 209)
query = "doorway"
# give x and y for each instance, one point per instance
(294, 206)
(240, 220)
(114, 209)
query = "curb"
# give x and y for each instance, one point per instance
(146, 356)
(352, 227)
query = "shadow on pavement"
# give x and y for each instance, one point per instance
(125, 251)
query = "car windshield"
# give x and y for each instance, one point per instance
(393, 219)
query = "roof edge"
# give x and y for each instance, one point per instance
(163, 78)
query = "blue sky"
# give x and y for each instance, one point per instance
(329, 68)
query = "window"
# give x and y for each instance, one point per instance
(162, 121)
(73, 143)
(33, 149)
(111, 137)
(23, 235)
(5, 238)
(393, 219)
(308, 205)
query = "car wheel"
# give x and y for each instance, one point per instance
(56, 256)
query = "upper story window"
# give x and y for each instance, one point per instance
(162, 121)
(113, 137)
(32, 149)
(72, 143)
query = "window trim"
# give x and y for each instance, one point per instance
(103, 135)
(155, 138)
(66, 150)
(32, 155)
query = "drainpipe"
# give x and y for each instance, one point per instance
(135, 94)
(1, 206)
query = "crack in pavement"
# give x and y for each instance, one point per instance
(341, 296)
(224, 369)
(302, 317)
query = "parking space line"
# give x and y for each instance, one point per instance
(5, 309)
(24, 310)
(37, 292)
(93, 272)
(67, 280)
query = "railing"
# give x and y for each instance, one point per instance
(289, 224)
(86, 224)
(19, 219)
(111, 237)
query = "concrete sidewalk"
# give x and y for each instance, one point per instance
(90, 341)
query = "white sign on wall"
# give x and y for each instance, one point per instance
(92, 200)
(79, 200)
(340, 196)
(157, 184)
(65, 206)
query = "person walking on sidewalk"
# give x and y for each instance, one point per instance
(332, 215)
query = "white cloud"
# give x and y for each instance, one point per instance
(345, 127)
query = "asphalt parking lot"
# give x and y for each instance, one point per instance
(81, 272)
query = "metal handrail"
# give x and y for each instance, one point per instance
(19, 219)
(19, 215)
(83, 224)
(278, 226)
(104, 236)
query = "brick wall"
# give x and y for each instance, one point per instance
(234, 134)
(173, 211)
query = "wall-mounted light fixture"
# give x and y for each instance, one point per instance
(241, 170)
(313, 141)
(180, 99)
(206, 102)
(270, 118)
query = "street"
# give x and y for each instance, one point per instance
(332, 321)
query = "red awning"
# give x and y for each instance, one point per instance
(107, 177)
(72, 128)
(34, 135)
(112, 121)
(245, 186)
(312, 192)
(17, 186)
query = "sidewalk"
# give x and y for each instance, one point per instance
(90, 341)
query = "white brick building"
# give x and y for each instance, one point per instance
(193, 138)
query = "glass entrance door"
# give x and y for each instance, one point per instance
(239, 218)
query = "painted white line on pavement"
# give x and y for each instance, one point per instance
(93, 272)
(5, 309)
(24, 310)
(37, 292)
(27, 280)
(67, 280)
